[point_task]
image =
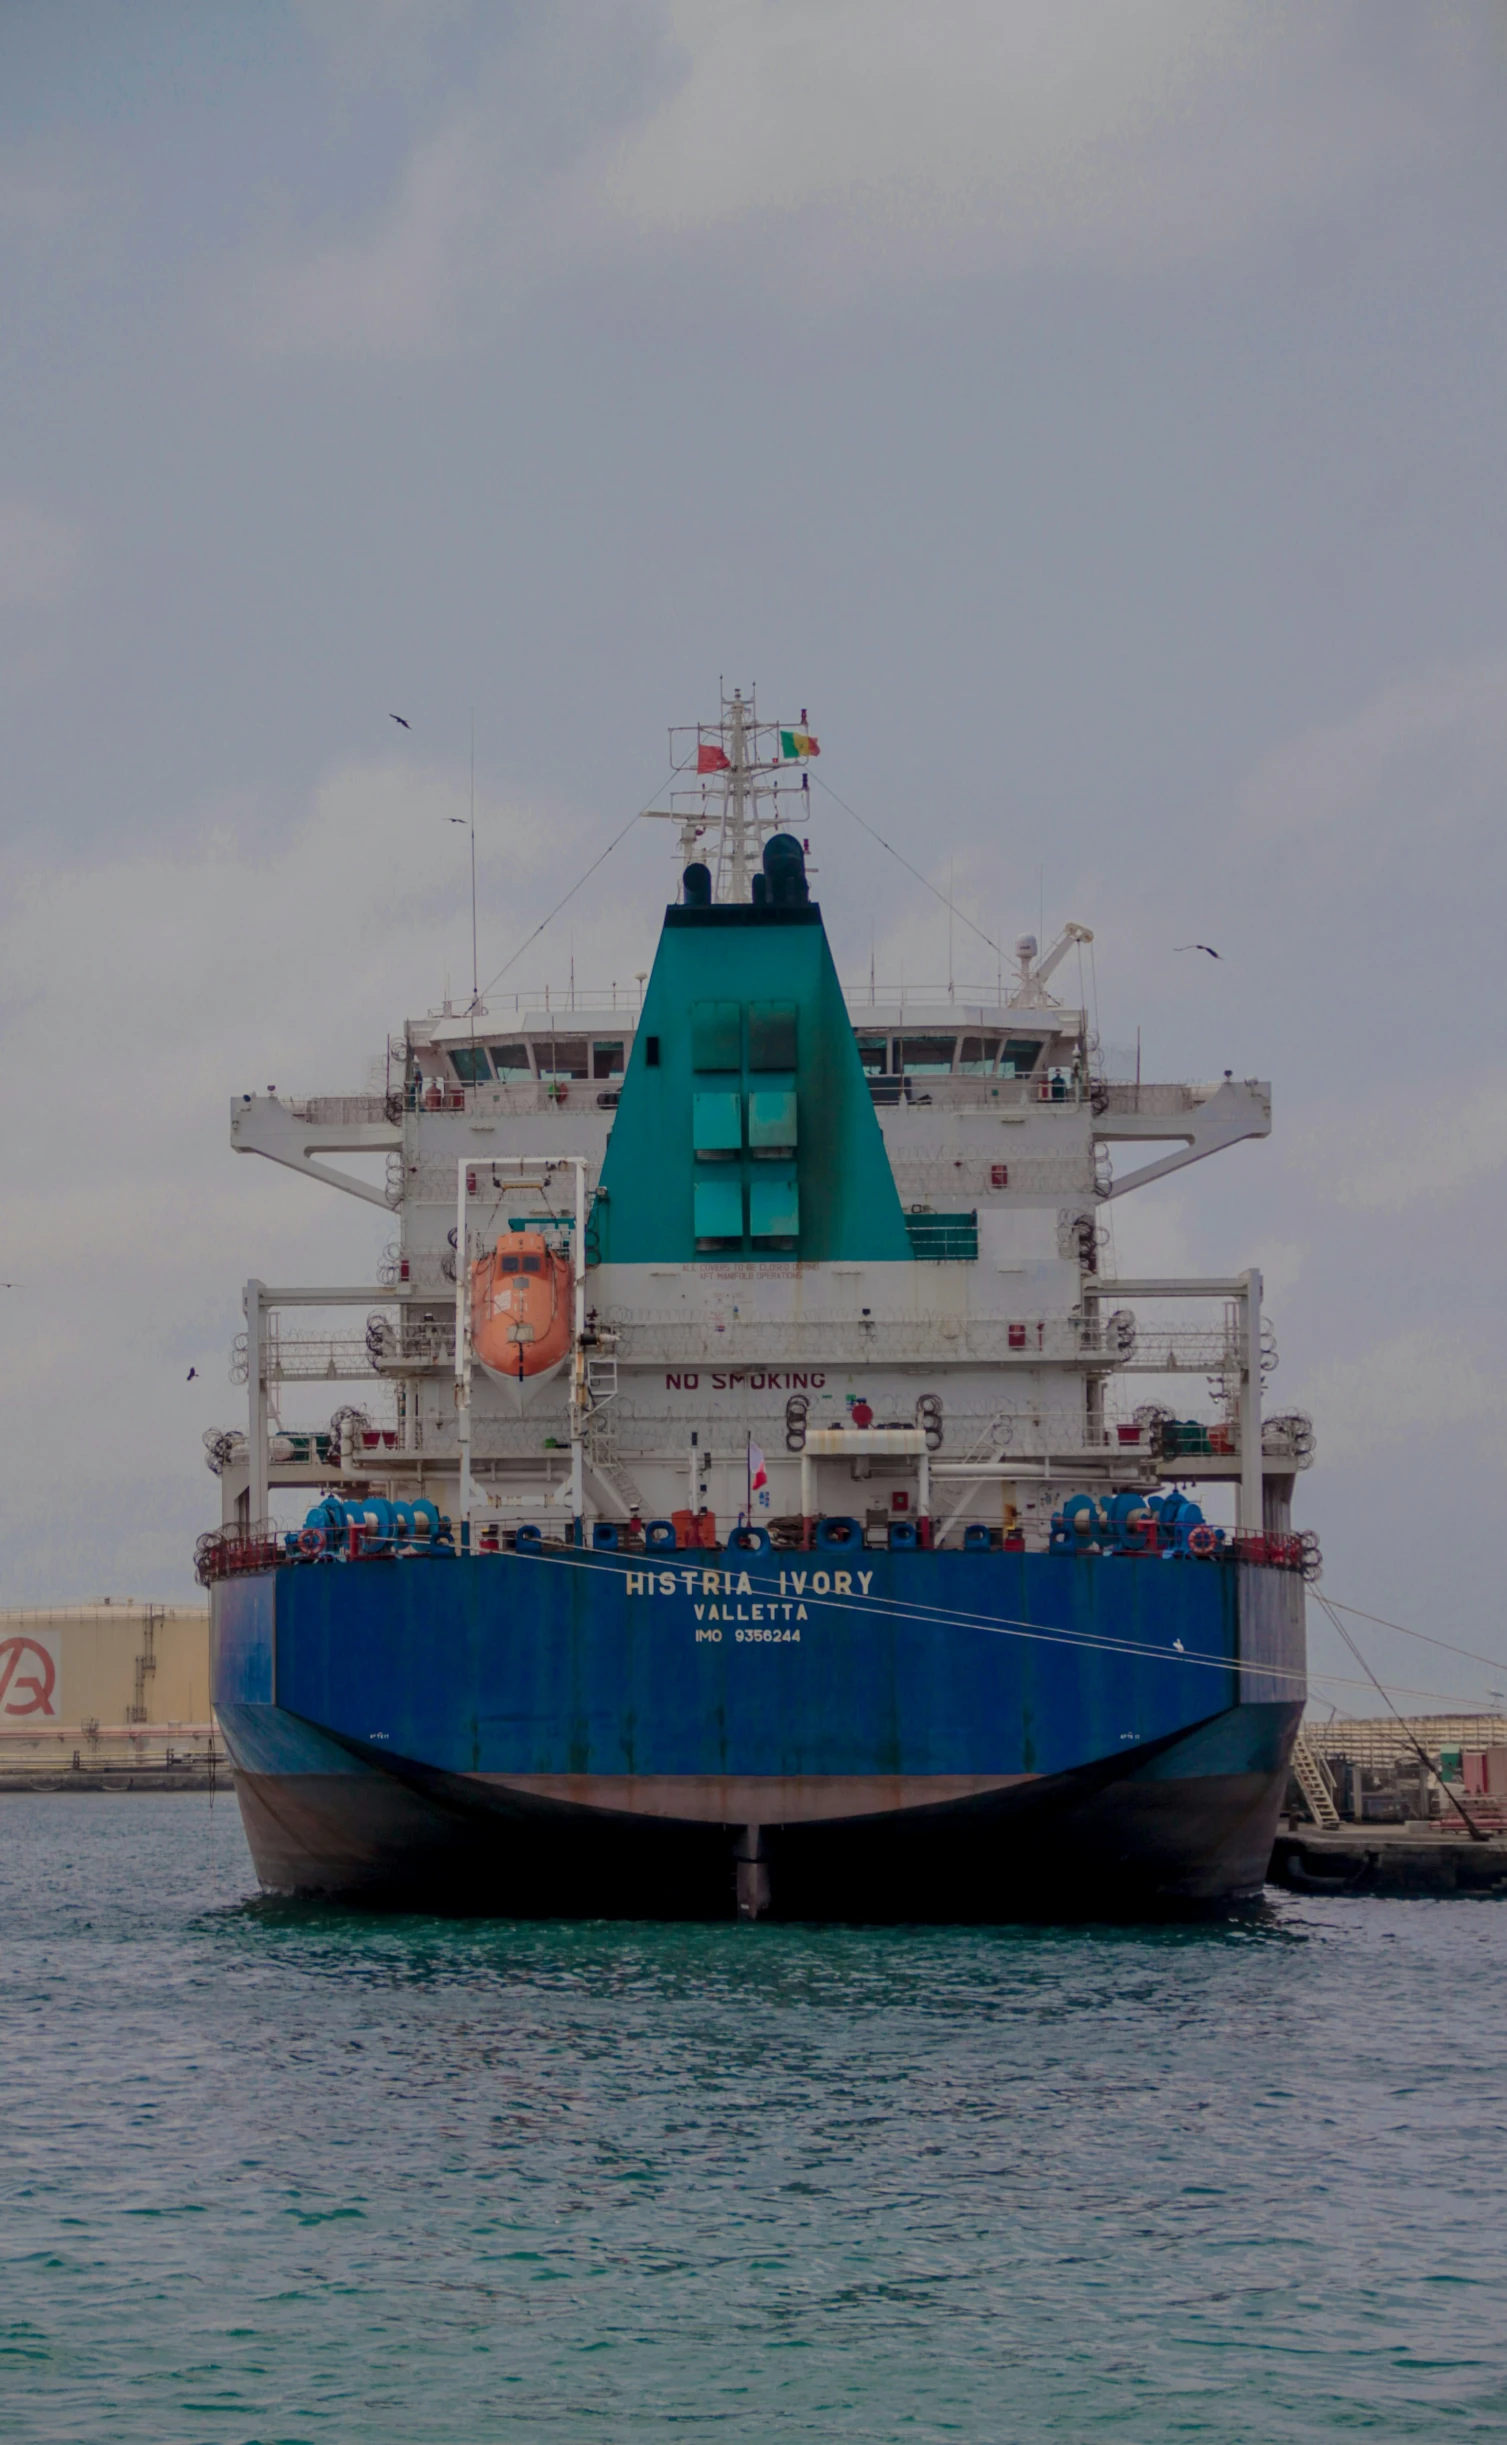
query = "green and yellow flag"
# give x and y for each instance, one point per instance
(798, 743)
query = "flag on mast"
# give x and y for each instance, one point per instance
(798, 743)
(758, 1475)
(712, 760)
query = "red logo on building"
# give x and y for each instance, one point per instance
(28, 1677)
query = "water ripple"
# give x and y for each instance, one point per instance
(283, 2176)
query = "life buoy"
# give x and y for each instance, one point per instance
(1202, 1541)
(311, 1541)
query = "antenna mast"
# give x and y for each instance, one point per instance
(475, 968)
(736, 761)
(735, 821)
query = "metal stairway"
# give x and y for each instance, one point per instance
(602, 1388)
(1313, 1783)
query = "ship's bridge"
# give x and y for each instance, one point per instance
(913, 1047)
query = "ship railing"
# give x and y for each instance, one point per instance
(336, 1358)
(517, 1097)
(648, 1338)
(228, 1553)
(1168, 1438)
(980, 999)
(966, 1091)
(427, 1276)
(1051, 1089)
(649, 1341)
(1297, 1551)
(536, 1005)
(242, 1551)
(1154, 1099)
(342, 1111)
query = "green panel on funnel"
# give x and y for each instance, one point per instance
(772, 1117)
(776, 965)
(774, 1204)
(717, 1122)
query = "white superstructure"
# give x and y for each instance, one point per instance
(1004, 1339)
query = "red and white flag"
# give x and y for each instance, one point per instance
(758, 1475)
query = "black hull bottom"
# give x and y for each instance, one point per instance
(1101, 1841)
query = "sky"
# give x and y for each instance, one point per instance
(1093, 414)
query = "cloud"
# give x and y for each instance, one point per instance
(1415, 767)
(140, 994)
(843, 153)
(975, 135)
(231, 959)
(373, 42)
(402, 286)
(1407, 1390)
(1357, 1156)
(42, 558)
(173, 980)
(43, 191)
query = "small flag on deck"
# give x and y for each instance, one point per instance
(758, 1475)
(712, 760)
(798, 743)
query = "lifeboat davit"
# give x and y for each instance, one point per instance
(520, 1307)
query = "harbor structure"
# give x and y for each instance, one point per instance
(106, 1695)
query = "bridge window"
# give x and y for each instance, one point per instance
(511, 1063)
(977, 1055)
(470, 1063)
(874, 1053)
(607, 1060)
(925, 1056)
(1020, 1056)
(563, 1057)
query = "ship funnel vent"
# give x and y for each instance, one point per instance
(785, 884)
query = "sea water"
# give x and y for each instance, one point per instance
(274, 2172)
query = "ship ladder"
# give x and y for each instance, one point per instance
(602, 1387)
(623, 1484)
(601, 1381)
(1313, 1783)
(991, 1444)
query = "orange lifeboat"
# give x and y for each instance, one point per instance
(520, 1307)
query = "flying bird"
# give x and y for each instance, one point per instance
(1197, 946)
(398, 718)
(193, 1371)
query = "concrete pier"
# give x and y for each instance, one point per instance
(1388, 1859)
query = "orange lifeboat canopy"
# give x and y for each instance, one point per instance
(520, 1306)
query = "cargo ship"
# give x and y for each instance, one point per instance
(745, 1507)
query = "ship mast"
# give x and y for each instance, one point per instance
(739, 799)
(735, 819)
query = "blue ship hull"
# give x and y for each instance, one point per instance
(932, 1735)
